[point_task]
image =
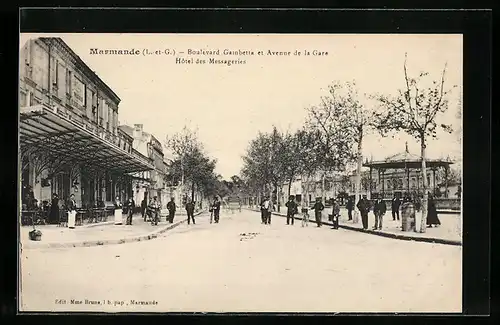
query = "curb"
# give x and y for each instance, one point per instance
(385, 234)
(149, 236)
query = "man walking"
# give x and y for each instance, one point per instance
(318, 209)
(395, 204)
(291, 210)
(171, 210)
(350, 207)
(379, 210)
(216, 209)
(364, 207)
(190, 211)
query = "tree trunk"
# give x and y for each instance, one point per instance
(358, 177)
(290, 187)
(423, 221)
(277, 198)
(192, 192)
(323, 193)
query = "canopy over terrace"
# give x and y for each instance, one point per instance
(57, 142)
(407, 161)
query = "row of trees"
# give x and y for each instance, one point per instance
(333, 134)
(192, 168)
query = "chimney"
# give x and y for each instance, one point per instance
(137, 131)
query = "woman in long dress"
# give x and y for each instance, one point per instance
(432, 216)
(54, 209)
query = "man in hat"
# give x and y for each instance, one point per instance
(291, 210)
(395, 204)
(335, 214)
(379, 210)
(130, 210)
(171, 210)
(216, 209)
(190, 211)
(318, 209)
(364, 207)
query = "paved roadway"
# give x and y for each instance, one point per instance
(277, 268)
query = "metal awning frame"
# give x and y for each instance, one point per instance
(43, 132)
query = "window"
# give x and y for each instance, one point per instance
(68, 82)
(55, 76)
(85, 95)
(23, 99)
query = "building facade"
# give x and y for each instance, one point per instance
(69, 138)
(148, 184)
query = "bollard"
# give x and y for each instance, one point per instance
(71, 219)
(408, 217)
(118, 216)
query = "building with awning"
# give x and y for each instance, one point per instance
(69, 139)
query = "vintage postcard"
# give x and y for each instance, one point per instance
(240, 173)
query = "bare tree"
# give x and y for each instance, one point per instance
(342, 121)
(414, 110)
(182, 144)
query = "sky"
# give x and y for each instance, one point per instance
(229, 105)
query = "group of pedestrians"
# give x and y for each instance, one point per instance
(379, 210)
(293, 209)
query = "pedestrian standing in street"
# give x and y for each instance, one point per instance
(154, 207)
(350, 207)
(130, 210)
(71, 211)
(335, 214)
(318, 209)
(216, 209)
(432, 216)
(379, 210)
(263, 211)
(364, 207)
(171, 207)
(190, 211)
(144, 207)
(291, 210)
(395, 204)
(270, 209)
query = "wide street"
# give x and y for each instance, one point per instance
(240, 265)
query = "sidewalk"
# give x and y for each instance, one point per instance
(449, 232)
(106, 233)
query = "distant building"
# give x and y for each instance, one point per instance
(148, 184)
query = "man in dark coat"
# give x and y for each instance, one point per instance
(379, 209)
(318, 208)
(171, 210)
(395, 204)
(190, 211)
(364, 207)
(263, 211)
(130, 210)
(216, 209)
(350, 207)
(291, 210)
(144, 206)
